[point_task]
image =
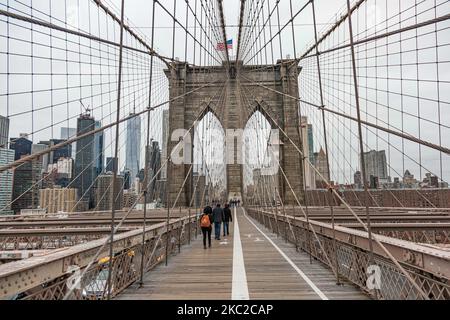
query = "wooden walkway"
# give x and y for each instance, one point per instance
(251, 264)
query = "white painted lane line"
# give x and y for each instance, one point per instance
(300, 272)
(239, 288)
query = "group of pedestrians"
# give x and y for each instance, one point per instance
(235, 203)
(216, 216)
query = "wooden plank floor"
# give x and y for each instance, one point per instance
(197, 273)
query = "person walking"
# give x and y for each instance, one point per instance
(227, 218)
(206, 225)
(218, 219)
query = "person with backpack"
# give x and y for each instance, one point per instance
(218, 218)
(206, 225)
(227, 218)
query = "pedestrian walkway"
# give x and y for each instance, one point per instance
(251, 263)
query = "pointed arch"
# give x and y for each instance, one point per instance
(265, 109)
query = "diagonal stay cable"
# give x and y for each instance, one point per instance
(72, 140)
(296, 198)
(375, 238)
(86, 269)
(366, 123)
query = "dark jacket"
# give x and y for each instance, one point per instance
(227, 215)
(218, 215)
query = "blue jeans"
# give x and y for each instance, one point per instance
(217, 230)
(226, 228)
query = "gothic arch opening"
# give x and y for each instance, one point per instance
(259, 178)
(209, 157)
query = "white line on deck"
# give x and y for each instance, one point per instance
(300, 272)
(239, 288)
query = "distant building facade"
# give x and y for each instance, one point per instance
(84, 173)
(63, 152)
(26, 185)
(68, 133)
(376, 165)
(357, 179)
(133, 146)
(4, 132)
(321, 164)
(406, 198)
(408, 179)
(127, 179)
(6, 178)
(111, 163)
(129, 199)
(307, 138)
(99, 150)
(62, 170)
(154, 158)
(21, 146)
(45, 158)
(58, 199)
(104, 192)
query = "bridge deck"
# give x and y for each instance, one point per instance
(251, 263)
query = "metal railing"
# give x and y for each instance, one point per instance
(353, 258)
(67, 274)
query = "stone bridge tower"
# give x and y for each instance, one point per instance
(233, 95)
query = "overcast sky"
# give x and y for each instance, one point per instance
(382, 100)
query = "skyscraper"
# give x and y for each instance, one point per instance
(164, 144)
(63, 170)
(58, 199)
(26, 185)
(45, 159)
(126, 179)
(357, 178)
(104, 192)
(111, 163)
(84, 160)
(53, 156)
(321, 164)
(99, 156)
(154, 158)
(4, 132)
(67, 133)
(307, 147)
(63, 152)
(311, 143)
(376, 165)
(21, 146)
(133, 146)
(6, 178)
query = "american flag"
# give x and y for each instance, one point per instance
(221, 45)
